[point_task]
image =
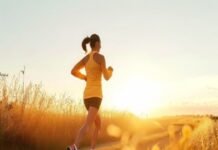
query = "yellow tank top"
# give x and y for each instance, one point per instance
(94, 74)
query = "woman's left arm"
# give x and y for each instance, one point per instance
(76, 70)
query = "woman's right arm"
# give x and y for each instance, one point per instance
(76, 69)
(107, 72)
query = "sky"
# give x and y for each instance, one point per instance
(164, 53)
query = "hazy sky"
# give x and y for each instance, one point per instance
(171, 45)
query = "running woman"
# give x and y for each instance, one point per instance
(95, 66)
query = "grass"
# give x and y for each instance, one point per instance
(35, 120)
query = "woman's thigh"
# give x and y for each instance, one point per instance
(92, 113)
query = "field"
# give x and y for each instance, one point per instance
(34, 120)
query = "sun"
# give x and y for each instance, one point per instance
(137, 95)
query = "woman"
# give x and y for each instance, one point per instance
(95, 67)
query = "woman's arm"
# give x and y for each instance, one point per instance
(107, 73)
(76, 70)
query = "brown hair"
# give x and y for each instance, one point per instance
(92, 40)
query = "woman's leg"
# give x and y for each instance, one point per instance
(89, 120)
(96, 130)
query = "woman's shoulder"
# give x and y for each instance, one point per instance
(85, 59)
(98, 57)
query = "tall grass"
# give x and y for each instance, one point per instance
(40, 121)
(35, 120)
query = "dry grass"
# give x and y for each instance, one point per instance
(36, 120)
(40, 121)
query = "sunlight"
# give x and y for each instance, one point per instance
(138, 95)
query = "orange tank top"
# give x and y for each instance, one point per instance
(94, 75)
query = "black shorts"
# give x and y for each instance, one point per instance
(93, 101)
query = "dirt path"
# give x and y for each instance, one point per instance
(161, 139)
(204, 136)
(146, 142)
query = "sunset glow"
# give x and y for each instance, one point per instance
(137, 95)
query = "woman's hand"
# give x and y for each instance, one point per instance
(110, 69)
(107, 72)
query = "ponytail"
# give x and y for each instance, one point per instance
(84, 42)
(92, 40)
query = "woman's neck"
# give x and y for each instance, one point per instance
(94, 50)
